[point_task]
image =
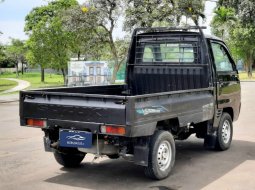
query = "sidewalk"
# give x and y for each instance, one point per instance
(22, 84)
(13, 97)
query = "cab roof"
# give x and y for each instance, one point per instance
(190, 30)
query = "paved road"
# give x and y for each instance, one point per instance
(25, 165)
(9, 98)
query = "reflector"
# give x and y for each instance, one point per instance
(113, 130)
(36, 123)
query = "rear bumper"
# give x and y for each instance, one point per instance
(78, 125)
(146, 129)
(139, 156)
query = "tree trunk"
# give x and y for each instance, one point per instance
(17, 70)
(65, 77)
(250, 70)
(222, 35)
(250, 63)
(79, 55)
(63, 74)
(42, 75)
(115, 71)
(22, 68)
(116, 60)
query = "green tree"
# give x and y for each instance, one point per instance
(149, 13)
(16, 51)
(38, 51)
(223, 20)
(243, 41)
(59, 44)
(193, 9)
(122, 46)
(88, 39)
(45, 21)
(2, 53)
(108, 12)
(229, 3)
(241, 35)
(152, 13)
(2, 57)
(98, 20)
(246, 12)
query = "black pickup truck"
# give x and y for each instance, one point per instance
(178, 82)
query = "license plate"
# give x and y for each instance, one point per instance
(75, 139)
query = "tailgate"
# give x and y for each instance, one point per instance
(72, 107)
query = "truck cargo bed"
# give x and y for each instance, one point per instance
(75, 104)
(142, 112)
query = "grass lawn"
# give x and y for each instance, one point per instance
(51, 80)
(244, 76)
(7, 84)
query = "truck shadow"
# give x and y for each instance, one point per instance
(194, 168)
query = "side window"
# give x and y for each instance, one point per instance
(221, 58)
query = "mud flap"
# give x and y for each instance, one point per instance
(47, 143)
(210, 141)
(141, 154)
(211, 136)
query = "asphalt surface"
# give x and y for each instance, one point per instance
(9, 98)
(25, 165)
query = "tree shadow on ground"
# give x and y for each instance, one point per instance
(194, 168)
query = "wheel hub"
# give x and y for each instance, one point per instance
(226, 131)
(164, 155)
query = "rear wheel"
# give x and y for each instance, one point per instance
(161, 155)
(69, 160)
(224, 133)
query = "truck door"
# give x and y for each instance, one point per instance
(228, 83)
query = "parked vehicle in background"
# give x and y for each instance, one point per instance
(179, 82)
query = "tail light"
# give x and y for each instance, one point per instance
(115, 130)
(40, 123)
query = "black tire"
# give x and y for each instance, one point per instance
(69, 160)
(154, 170)
(114, 156)
(224, 139)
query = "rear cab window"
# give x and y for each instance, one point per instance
(169, 52)
(168, 49)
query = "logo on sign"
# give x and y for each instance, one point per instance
(76, 137)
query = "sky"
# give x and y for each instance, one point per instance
(13, 13)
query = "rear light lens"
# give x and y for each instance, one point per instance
(36, 123)
(115, 130)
